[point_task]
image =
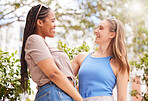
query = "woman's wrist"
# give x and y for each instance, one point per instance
(80, 99)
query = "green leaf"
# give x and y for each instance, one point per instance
(12, 54)
(17, 60)
(17, 5)
(5, 52)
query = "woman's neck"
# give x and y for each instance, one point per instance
(103, 50)
(39, 33)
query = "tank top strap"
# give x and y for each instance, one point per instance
(109, 58)
(89, 54)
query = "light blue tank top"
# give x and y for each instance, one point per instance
(96, 77)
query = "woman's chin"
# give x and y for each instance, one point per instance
(96, 42)
(51, 35)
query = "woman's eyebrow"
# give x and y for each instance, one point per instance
(52, 18)
(101, 26)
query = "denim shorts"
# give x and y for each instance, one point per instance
(50, 92)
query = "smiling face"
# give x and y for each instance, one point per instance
(103, 33)
(47, 27)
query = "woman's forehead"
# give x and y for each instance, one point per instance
(51, 15)
(104, 23)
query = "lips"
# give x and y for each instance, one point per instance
(97, 36)
(53, 29)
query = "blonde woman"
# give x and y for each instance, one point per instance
(101, 70)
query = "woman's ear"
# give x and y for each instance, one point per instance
(39, 22)
(112, 35)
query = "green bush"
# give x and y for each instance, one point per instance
(71, 52)
(10, 85)
(142, 62)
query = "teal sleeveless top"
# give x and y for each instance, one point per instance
(96, 77)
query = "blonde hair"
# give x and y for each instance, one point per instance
(118, 46)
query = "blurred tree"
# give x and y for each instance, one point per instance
(73, 22)
(142, 62)
(81, 19)
(9, 11)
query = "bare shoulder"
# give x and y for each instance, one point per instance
(114, 62)
(81, 56)
(114, 65)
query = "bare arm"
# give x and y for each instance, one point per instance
(75, 65)
(50, 69)
(122, 82)
(77, 61)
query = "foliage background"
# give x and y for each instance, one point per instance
(76, 21)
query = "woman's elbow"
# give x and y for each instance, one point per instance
(54, 75)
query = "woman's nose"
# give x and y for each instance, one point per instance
(96, 31)
(54, 24)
